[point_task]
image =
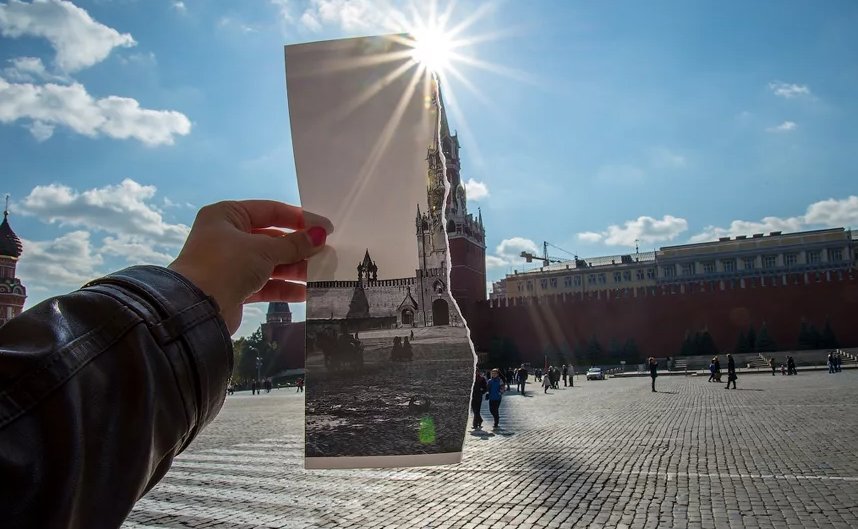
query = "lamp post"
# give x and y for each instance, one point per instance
(258, 367)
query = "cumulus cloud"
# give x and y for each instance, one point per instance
(135, 250)
(789, 90)
(475, 190)
(642, 229)
(351, 15)
(833, 213)
(786, 126)
(122, 210)
(78, 40)
(179, 6)
(71, 106)
(508, 252)
(69, 260)
(29, 69)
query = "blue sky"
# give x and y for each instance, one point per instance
(593, 125)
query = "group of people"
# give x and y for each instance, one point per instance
(834, 362)
(786, 369)
(715, 371)
(492, 388)
(401, 351)
(257, 387)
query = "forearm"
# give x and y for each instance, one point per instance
(100, 389)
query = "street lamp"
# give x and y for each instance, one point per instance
(258, 366)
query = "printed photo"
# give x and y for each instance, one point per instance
(389, 363)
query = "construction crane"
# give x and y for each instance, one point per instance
(548, 259)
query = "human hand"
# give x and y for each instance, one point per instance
(236, 254)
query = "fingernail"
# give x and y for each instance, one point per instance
(317, 235)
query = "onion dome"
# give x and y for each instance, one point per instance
(10, 244)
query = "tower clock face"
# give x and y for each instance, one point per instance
(438, 287)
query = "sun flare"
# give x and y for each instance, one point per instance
(433, 49)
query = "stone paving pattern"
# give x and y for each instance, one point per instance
(778, 452)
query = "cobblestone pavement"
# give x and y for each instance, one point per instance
(779, 452)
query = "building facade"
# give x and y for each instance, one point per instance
(12, 292)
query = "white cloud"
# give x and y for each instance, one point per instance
(590, 236)
(29, 69)
(253, 315)
(231, 23)
(365, 16)
(179, 6)
(833, 213)
(508, 252)
(135, 251)
(69, 261)
(41, 130)
(789, 90)
(79, 41)
(475, 190)
(786, 126)
(72, 107)
(643, 229)
(122, 210)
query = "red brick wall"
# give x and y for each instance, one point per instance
(658, 321)
(467, 273)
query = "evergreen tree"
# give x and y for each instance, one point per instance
(687, 347)
(742, 344)
(615, 351)
(815, 338)
(764, 343)
(752, 340)
(255, 347)
(706, 345)
(594, 350)
(829, 341)
(631, 354)
(237, 350)
(804, 339)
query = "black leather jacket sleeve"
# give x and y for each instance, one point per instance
(99, 390)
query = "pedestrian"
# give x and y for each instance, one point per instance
(300, 384)
(791, 370)
(253, 387)
(731, 371)
(783, 369)
(268, 385)
(772, 365)
(830, 363)
(480, 388)
(717, 362)
(495, 391)
(837, 362)
(407, 353)
(711, 371)
(546, 383)
(572, 376)
(156, 342)
(522, 378)
(653, 370)
(565, 373)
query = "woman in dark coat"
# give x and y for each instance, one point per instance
(731, 372)
(653, 370)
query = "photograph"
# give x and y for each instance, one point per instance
(389, 363)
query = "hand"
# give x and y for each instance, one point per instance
(236, 255)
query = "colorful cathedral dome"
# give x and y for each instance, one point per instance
(10, 244)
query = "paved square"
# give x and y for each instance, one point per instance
(778, 452)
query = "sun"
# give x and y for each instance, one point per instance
(433, 49)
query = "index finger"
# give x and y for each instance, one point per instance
(267, 213)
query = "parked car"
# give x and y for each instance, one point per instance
(595, 373)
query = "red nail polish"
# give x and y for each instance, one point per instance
(317, 235)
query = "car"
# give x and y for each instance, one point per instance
(595, 373)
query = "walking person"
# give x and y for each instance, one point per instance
(717, 363)
(791, 370)
(565, 373)
(731, 371)
(653, 370)
(546, 383)
(522, 378)
(711, 371)
(300, 384)
(772, 365)
(253, 387)
(480, 388)
(495, 390)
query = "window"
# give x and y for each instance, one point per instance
(603, 279)
(627, 275)
(709, 267)
(835, 255)
(814, 257)
(790, 259)
(530, 285)
(749, 263)
(617, 277)
(577, 280)
(591, 279)
(543, 283)
(650, 273)
(669, 271)
(770, 261)
(729, 265)
(567, 281)
(688, 269)
(553, 282)
(639, 275)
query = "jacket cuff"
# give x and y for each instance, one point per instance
(178, 313)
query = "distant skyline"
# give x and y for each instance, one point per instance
(586, 124)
